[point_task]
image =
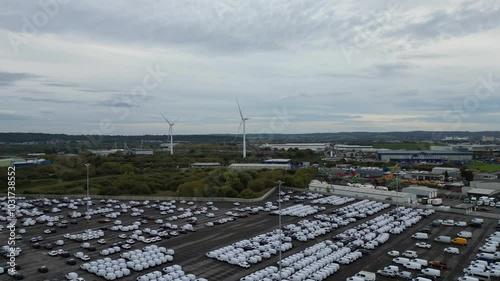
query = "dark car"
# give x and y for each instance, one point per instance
(426, 230)
(386, 273)
(64, 255)
(48, 246)
(36, 245)
(43, 269)
(71, 262)
(18, 276)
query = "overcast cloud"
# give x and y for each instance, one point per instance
(302, 66)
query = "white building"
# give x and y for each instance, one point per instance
(374, 194)
(259, 166)
(349, 147)
(199, 165)
(317, 147)
(142, 151)
(421, 191)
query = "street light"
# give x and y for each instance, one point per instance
(279, 221)
(88, 195)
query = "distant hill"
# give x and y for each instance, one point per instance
(351, 137)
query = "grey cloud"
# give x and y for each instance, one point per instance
(470, 17)
(9, 78)
(50, 100)
(376, 71)
(13, 116)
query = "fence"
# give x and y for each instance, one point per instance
(161, 198)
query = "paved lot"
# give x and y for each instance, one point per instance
(190, 248)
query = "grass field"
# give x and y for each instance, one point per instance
(484, 167)
(7, 162)
(407, 146)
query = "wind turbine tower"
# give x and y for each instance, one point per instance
(171, 133)
(243, 121)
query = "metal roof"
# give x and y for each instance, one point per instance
(429, 152)
(482, 191)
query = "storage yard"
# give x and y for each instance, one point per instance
(236, 242)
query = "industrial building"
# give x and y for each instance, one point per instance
(421, 191)
(141, 151)
(429, 156)
(351, 147)
(374, 194)
(478, 192)
(278, 161)
(442, 170)
(259, 166)
(422, 176)
(488, 184)
(205, 165)
(31, 163)
(487, 176)
(317, 147)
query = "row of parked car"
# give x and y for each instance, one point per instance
(487, 262)
(253, 250)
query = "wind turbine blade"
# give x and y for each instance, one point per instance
(239, 108)
(175, 121)
(238, 132)
(165, 119)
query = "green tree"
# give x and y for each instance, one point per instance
(247, 193)
(127, 168)
(256, 185)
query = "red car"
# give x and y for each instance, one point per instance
(437, 264)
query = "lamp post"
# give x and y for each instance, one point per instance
(88, 194)
(279, 222)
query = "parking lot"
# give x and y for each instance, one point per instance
(190, 248)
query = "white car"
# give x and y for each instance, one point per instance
(451, 250)
(236, 204)
(393, 253)
(460, 223)
(423, 245)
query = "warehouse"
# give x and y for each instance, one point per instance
(421, 191)
(428, 156)
(478, 192)
(374, 194)
(259, 166)
(317, 147)
(205, 165)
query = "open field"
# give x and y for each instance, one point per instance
(484, 167)
(190, 248)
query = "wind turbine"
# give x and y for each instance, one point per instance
(243, 120)
(171, 133)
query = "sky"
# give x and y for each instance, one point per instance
(304, 66)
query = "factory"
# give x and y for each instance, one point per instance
(259, 166)
(202, 165)
(421, 191)
(317, 147)
(427, 156)
(368, 193)
(354, 148)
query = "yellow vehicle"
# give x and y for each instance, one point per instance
(459, 241)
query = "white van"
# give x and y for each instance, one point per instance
(412, 265)
(354, 278)
(420, 236)
(479, 274)
(465, 234)
(420, 279)
(431, 271)
(400, 260)
(420, 261)
(366, 275)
